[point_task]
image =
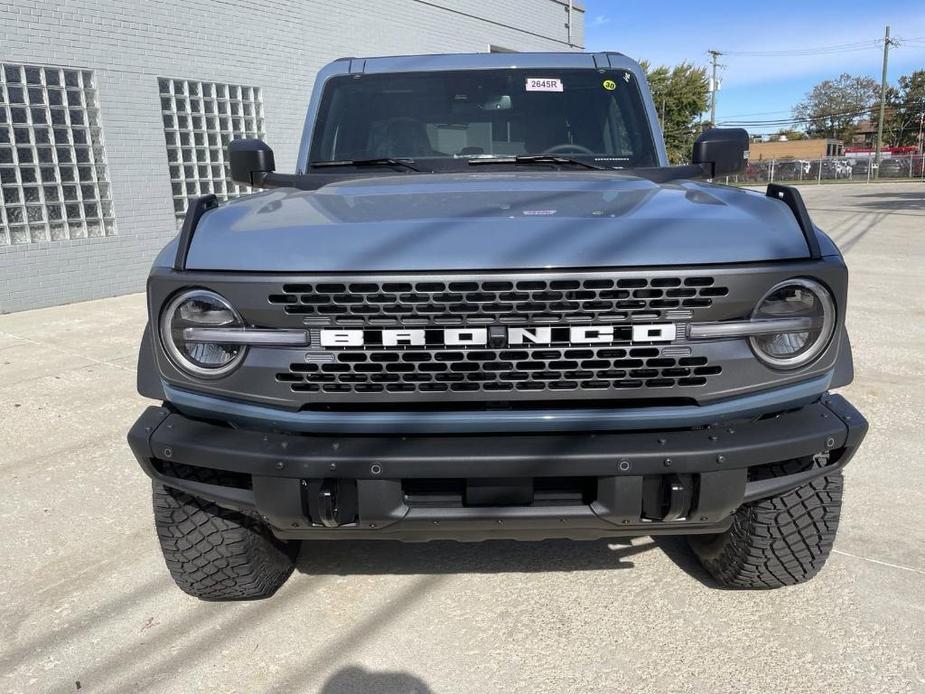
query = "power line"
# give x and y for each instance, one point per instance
(827, 50)
(800, 119)
(780, 122)
(495, 23)
(758, 113)
(819, 50)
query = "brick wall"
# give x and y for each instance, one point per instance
(275, 45)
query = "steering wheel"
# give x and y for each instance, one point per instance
(568, 148)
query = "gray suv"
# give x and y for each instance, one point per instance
(484, 306)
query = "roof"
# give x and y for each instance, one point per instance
(488, 61)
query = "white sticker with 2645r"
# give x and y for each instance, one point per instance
(544, 84)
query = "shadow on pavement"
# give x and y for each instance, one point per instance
(906, 200)
(356, 680)
(345, 557)
(888, 205)
(677, 549)
(917, 195)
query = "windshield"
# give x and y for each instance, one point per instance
(594, 116)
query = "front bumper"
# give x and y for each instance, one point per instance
(523, 486)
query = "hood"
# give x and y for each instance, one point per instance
(494, 221)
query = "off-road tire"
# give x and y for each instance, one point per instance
(217, 554)
(779, 541)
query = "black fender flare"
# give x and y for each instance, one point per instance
(844, 364)
(148, 377)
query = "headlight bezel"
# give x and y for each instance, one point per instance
(172, 350)
(822, 340)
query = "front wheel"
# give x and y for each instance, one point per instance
(779, 541)
(217, 554)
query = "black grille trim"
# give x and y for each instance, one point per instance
(498, 371)
(495, 301)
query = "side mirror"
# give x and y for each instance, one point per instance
(722, 151)
(250, 161)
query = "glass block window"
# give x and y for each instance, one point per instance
(200, 119)
(54, 184)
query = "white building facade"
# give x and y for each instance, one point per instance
(114, 114)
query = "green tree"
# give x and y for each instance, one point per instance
(833, 107)
(681, 94)
(905, 105)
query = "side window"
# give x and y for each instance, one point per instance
(54, 182)
(200, 119)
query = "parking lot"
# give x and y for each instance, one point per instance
(87, 604)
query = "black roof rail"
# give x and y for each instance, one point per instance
(792, 198)
(194, 211)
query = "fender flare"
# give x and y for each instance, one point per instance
(844, 364)
(148, 378)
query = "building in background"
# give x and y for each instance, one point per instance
(816, 148)
(112, 115)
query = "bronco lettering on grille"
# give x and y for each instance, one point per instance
(457, 337)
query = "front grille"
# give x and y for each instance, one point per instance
(559, 370)
(495, 301)
(496, 371)
(502, 367)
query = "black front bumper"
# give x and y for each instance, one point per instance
(579, 485)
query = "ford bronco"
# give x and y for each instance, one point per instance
(485, 306)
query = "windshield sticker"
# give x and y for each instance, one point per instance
(610, 85)
(544, 84)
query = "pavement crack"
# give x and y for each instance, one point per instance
(69, 352)
(881, 563)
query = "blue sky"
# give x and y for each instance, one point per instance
(754, 88)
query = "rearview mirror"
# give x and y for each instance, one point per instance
(721, 151)
(250, 161)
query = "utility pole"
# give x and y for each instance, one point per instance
(886, 55)
(714, 54)
(918, 139)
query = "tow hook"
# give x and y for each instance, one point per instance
(680, 497)
(327, 504)
(332, 503)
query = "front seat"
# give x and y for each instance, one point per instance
(405, 137)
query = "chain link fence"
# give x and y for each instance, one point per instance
(831, 169)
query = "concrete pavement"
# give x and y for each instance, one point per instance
(86, 602)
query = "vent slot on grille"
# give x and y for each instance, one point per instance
(497, 371)
(495, 301)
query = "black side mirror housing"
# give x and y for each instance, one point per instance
(721, 151)
(250, 161)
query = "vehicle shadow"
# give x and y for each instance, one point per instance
(350, 557)
(913, 201)
(676, 548)
(354, 680)
(916, 195)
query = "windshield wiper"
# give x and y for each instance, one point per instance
(384, 161)
(521, 159)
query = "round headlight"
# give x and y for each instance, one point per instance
(796, 298)
(199, 308)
